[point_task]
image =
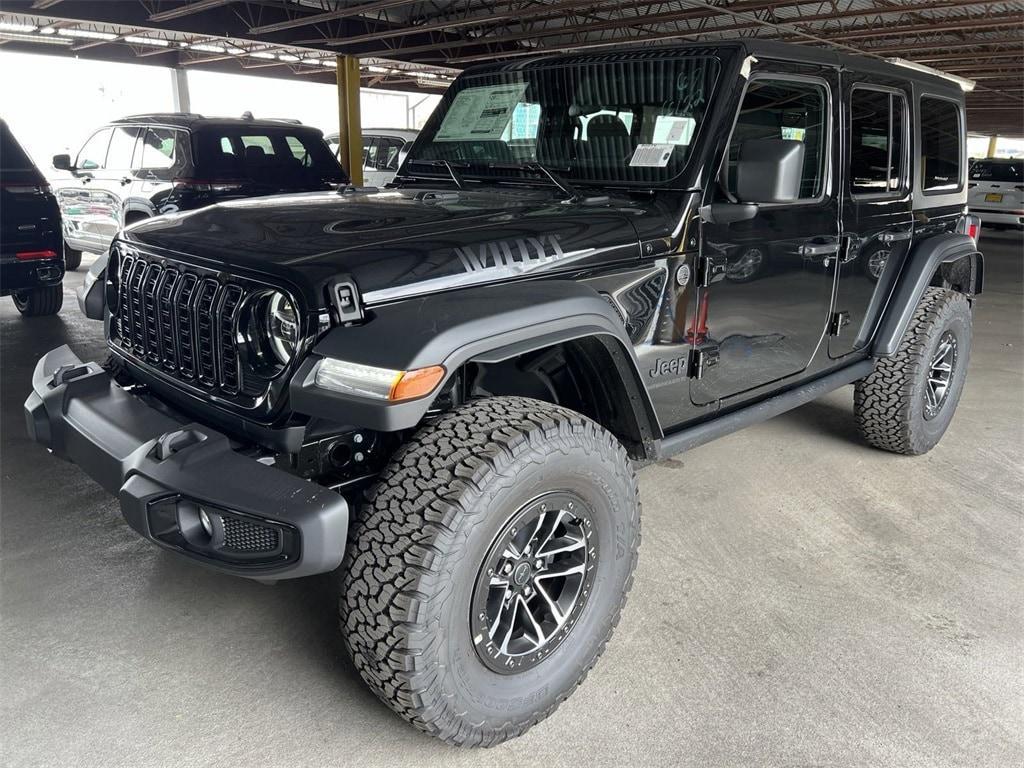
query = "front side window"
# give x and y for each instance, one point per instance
(629, 122)
(941, 145)
(877, 143)
(94, 154)
(122, 148)
(790, 110)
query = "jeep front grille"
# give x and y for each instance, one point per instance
(180, 321)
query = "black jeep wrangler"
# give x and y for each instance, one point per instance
(440, 391)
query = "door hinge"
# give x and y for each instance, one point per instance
(837, 322)
(712, 269)
(701, 359)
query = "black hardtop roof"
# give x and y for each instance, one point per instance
(764, 49)
(192, 120)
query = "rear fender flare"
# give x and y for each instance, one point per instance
(923, 264)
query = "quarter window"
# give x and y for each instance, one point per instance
(941, 145)
(877, 144)
(791, 110)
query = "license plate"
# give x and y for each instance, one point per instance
(993, 197)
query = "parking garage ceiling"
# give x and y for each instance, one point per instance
(422, 44)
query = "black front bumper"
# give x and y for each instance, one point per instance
(259, 522)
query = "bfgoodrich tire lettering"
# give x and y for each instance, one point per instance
(418, 546)
(895, 409)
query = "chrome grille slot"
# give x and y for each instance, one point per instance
(206, 299)
(183, 322)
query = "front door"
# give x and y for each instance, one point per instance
(877, 212)
(766, 318)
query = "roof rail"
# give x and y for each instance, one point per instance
(161, 114)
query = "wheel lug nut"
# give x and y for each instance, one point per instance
(539, 564)
(507, 569)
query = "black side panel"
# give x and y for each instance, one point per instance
(486, 324)
(921, 266)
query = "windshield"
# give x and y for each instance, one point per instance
(1008, 171)
(628, 122)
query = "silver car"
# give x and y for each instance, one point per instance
(383, 151)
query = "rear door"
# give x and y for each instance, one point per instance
(877, 210)
(117, 176)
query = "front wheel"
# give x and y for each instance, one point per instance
(489, 567)
(44, 300)
(907, 403)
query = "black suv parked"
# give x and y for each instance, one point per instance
(147, 165)
(441, 390)
(31, 252)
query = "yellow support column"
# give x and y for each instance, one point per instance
(992, 145)
(349, 126)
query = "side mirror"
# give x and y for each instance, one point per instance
(769, 170)
(62, 162)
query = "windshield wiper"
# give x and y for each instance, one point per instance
(573, 193)
(456, 176)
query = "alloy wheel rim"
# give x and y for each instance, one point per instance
(534, 583)
(876, 263)
(940, 375)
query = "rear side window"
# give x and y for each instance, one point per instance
(94, 154)
(877, 144)
(163, 150)
(1009, 172)
(280, 156)
(941, 145)
(791, 110)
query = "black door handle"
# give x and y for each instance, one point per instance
(126, 180)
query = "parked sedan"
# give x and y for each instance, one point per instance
(996, 191)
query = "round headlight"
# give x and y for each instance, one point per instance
(282, 326)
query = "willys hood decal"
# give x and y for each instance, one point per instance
(396, 242)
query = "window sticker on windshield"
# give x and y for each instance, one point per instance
(480, 113)
(651, 155)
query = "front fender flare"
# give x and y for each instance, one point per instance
(922, 264)
(484, 324)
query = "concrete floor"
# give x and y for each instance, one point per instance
(801, 600)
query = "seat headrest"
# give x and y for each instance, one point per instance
(606, 127)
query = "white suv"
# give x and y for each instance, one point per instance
(996, 191)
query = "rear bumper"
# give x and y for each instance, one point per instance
(21, 275)
(996, 216)
(260, 522)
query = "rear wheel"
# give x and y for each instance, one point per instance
(489, 567)
(907, 403)
(72, 258)
(44, 300)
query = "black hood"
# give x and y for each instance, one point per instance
(397, 242)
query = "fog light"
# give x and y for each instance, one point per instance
(206, 522)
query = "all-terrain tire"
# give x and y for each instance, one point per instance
(891, 405)
(418, 547)
(44, 300)
(72, 258)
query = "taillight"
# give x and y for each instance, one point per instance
(970, 225)
(217, 186)
(31, 255)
